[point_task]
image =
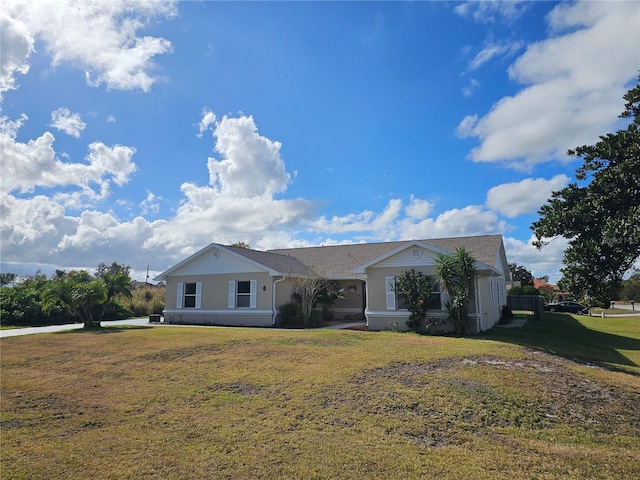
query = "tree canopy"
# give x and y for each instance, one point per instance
(519, 273)
(599, 217)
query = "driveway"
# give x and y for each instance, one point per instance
(14, 332)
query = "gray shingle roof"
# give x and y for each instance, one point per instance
(338, 261)
(281, 263)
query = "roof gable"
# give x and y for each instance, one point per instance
(215, 258)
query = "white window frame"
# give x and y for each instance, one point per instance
(393, 303)
(234, 294)
(181, 295)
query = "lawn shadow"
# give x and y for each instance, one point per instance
(105, 330)
(566, 336)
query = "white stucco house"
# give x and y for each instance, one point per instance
(224, 285)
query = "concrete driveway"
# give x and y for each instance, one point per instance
(14, 332)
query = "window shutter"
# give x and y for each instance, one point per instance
(180, 295)
(232, 294)
(391, 294)
(252, 294)
(199, 295)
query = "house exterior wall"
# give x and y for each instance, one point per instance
(379, 317)
(484, 311)
(214, 300)
(350, 306)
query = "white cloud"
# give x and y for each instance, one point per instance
(470, 220)
(546, 261)
(69, 123)
(418, 208)
(525, 196)
(16, 45)
(391, 224)
(100, 37)
(576, 82)
(208, 119)
(471, 88)
(111, 119)
(492, 50)
(251, 164)
(150, 204)
(488, 11)
(36, 164)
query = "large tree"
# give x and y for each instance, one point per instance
(89, 297)
(80, 293)
(600, 216)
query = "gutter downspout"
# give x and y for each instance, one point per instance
(273, 301)
(478, 307)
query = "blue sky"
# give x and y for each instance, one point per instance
(139, 132)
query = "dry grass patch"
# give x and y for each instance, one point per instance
(240, 403)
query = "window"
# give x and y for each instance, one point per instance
(394, 302)
(189, 295)
(242, 294)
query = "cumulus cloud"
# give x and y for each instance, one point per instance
(69, 123)
(208, 119)
(16, 46)
(540, 262)
(150, 204)
(525, 196)
(111, 52)
(396, 222)
(36, 164)
(418, 208)
(251, 164)
(574, 86)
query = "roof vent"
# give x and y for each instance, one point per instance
(416, 252)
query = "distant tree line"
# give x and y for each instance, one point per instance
(76, 296)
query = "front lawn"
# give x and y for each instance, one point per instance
(180, 402)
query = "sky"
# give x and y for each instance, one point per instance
(139, 132)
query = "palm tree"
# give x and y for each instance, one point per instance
(79, 293)
(117, 282)
(457, 274)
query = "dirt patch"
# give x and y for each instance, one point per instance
(447, 402)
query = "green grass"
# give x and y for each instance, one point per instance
(611, 341)
(179, 402)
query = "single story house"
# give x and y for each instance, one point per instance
(225, 285)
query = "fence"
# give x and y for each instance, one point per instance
(531, 303)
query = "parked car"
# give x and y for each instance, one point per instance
(568, 307)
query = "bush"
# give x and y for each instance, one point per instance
(526, 290)
(147, 300)
(290, 315)
(506, 314)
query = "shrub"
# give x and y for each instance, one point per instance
(526, 290)
(147, 300)
(290, 315)
(506, 314)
